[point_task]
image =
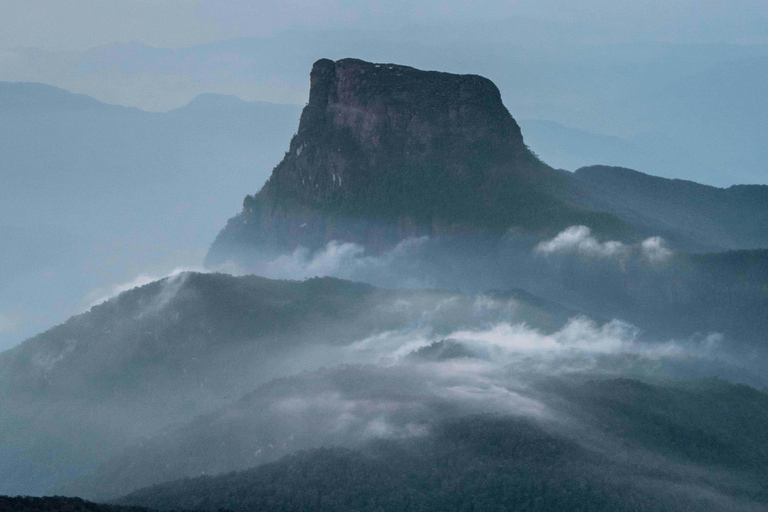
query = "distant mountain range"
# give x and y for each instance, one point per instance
(697, 107)
(565, 147)
(516, 335)
(161, 354)
(507, 462)
(691, 215)
(387, 152)
(95, 195)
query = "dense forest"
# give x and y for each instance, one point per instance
(492, 462)
(59, 504)
(477, 464)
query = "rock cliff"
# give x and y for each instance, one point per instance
(384, 152)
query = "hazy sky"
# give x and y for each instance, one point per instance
(692, 111)
(81, 24)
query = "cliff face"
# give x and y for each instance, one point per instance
(384, 152)
(369, 126)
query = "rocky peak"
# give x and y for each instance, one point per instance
(406, 105)
(384, 152)
(374, 132)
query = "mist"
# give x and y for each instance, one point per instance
(458, 356)
(243, 268)
(636, 86)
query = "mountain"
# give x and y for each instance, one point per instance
(60, 503)
(682, 446)
(656, 94)
(157, 356)
(349, 406)
(476, 462)
(385, 152)
(95, 195)
(690, 214)
(566, 147)
(567, 385)
(209, 373)
(401, 177)
(716, 114)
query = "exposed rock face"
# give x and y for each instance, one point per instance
(373, 124)
(384, 152)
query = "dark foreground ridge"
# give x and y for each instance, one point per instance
(490, 462)
(477, 463)
(384, 152)
(59, 504)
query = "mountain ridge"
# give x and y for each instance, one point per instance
(385, 152)
(161, 354)
(698, 217)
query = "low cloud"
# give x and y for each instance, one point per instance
(580, 240)
(348, 260)
(581, 345)
(655, 250)
(379, 388)
(337, 257)
(100, 295)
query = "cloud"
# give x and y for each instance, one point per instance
(581, 345)
(377, 389)
(654, 250)
(579, 239)
(579, 334)
(100, 295)
(337, 257)
(348, 260)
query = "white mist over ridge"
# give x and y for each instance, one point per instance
(274, 366)
(579, 240)
(347, 260)
(613, 331)
(457, 356)
(581, 345)
(176, 275)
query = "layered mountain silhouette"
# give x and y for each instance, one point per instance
(561, 370)
(692, 215)
(384, 152)
(515, 462)
(158, 356)
(96, 194)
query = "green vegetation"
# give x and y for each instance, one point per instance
(695, 445)
(478, 464)
(59, 504)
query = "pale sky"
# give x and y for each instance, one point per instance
(82, 24)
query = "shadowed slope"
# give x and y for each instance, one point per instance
(384, 152)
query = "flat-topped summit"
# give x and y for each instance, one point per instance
(384, 151)
(369, 128)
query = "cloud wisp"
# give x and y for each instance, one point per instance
(580, 240)
(101, 295)
(346, 260)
